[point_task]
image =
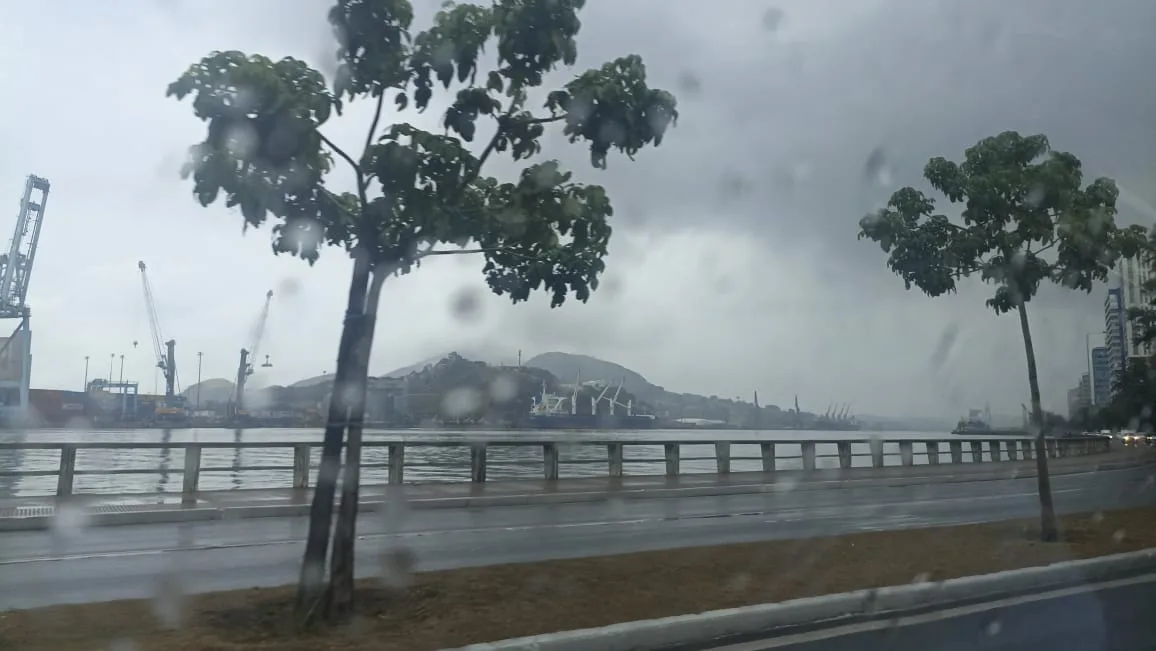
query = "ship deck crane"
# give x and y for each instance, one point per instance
(166, 352)
(15, 271)
(249, 355)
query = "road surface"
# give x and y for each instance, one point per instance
(1112, 616)
(75, 563)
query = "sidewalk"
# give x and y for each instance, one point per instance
(34, 513)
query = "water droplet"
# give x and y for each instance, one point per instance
(466, 305)
(785, 484)
(876, 170)
(1098, 517)
(503, 388)
(922, 577)
(689, 83)
(289, 287)
(739, 581)
(123, 645)
(772, 19)
(70, 520)
(461, 402)
(397, 567)
(993, 628)
(1118, 536)
(169, 600)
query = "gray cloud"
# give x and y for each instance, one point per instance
(735, 266)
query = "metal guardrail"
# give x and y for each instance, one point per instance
(985, 450)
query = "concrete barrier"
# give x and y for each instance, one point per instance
(864, 605)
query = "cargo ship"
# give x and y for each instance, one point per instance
(552, 411)
(975, 425)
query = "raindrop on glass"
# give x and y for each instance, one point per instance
(466, 305)
(397, 566)
(70, 521)
(168, 600)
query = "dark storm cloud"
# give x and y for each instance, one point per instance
(778, 128)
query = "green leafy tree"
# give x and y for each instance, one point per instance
(1133, 404)
(417, 194)
(1026, 218)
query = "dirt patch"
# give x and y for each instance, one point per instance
(457, 607)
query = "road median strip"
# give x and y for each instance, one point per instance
(759, 587)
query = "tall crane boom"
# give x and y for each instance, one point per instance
(248, 355)
(15, 271)
(166, 352)
(16, 265)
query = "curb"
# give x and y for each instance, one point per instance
(244, 512)
(765, 620)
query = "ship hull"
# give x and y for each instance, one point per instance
(990, 432)
(589, 422)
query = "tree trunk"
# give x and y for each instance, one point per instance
(341, 577)
(1048, 530)
(310, 587)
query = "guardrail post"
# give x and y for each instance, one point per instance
(844, 454)
(993, 448)
(767, 450)
(672, 452)
(976, 451)
(478, 463)
(302, 456)
(614, 455)
(1012, 448)
(808, 448)
(190, 482)
(907, 453)
(550, 461)
(956, 451)
(876, 445)
(396, 463)
(722, 457)
(932, 452)
(67, 470)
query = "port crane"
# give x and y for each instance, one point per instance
(166, 352)
(15, 271)
(249, 356)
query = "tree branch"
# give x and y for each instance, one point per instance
(552, 118)
(340, 152)
(376, 118)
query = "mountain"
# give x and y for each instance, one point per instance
(567, 367)
(667, 404)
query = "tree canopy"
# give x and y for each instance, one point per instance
(1025, 218)
(265, 153)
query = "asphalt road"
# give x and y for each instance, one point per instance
(75, 563)
(1113, 616)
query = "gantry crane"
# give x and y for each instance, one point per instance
(15, 271)
(166, 353)
(248, 356)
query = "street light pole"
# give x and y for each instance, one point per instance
(199, 355)
(86, 373)
(111, 359)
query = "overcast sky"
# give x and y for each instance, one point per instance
(734, 265)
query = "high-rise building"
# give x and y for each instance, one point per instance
(1134, 273)
(1101, 377)
(1115, 331)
